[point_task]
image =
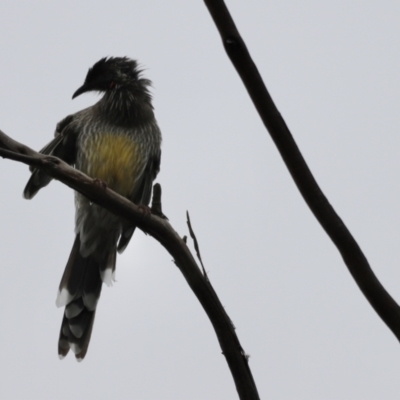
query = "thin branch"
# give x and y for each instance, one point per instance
(196, 244)
(156, 206)
(162, 231)
(356, 262)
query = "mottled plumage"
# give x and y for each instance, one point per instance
(117, 141)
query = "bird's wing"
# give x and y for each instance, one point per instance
(141, 196)
(62, 146)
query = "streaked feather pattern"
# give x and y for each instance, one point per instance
(117, 141)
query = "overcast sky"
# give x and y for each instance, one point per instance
(333, 71)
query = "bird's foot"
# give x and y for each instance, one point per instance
(145, 210)
(100, 183)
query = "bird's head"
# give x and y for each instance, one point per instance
(111, 73)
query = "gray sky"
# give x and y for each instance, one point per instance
(333, 70)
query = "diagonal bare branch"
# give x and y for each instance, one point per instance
(162, 231)
(356, 262)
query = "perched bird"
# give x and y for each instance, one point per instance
(118, 142)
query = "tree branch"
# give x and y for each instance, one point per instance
(162, 231)
(356, 262)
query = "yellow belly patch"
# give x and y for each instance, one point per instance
(115, 160)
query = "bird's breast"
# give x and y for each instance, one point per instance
(117, 160)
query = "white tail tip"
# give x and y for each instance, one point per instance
(107, 277)
(63, 298)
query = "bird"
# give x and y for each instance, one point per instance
(117, 142)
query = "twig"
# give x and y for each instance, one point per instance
(156, 205)
(196, 244)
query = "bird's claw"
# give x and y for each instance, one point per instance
(100, 183)
(145, 210)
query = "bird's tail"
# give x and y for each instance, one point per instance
(79, 292)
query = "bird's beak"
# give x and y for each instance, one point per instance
(84, 88)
